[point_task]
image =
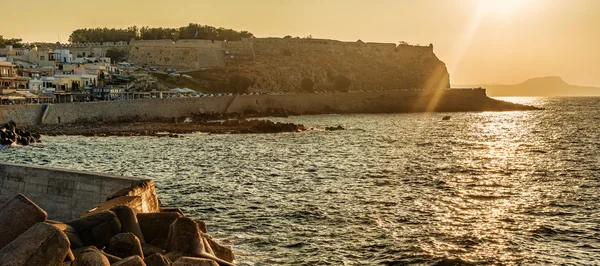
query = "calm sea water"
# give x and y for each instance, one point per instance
(485, 187)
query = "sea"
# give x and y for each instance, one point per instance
(483, 188)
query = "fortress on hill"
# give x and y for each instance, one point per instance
(194, 53)
(280, 64)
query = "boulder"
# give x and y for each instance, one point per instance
(131, 261)
(189, 261)
(173, 256)
(97, 229)
(220, 251)
(18, 215)
(129, 222)
(149, 249)
(111, 258)
(202, 226)
(157, 260)
(159, 243)
(41, 245)
(91, 258)
(184, 236)
(125, 245)
(70, 231)
(156, 225)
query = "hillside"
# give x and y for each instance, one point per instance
(544, 86)
(294, 65)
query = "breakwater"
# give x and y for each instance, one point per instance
(108, 220)
(302, 103)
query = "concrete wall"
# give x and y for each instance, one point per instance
(303, 103)
(66, 194)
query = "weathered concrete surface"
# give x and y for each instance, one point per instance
(64, 194)
(130, 261)
(125, 245)
(41, 245)
(301, 103)
(157, 260)
(17, 216)
(129, 222)
(91, 258)
(97, 229)
(190, 261)
(156, 225)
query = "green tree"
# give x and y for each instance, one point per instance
(116, 55)
(16, 43)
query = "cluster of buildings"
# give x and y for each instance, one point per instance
(39, 75)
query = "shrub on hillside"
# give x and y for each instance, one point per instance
(308, 85)
(342, 83)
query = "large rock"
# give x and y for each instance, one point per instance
(97, 229)
(189, 261)
(156, 225)
(125, 245)
(202, 226)
(220, 251)
(129, 222)
(17, 216)
(149, 249)
(157, 260)
(91, 258)
(131, 261)
(41, 245)
(111, 258)
(71, 233)
(184, 236)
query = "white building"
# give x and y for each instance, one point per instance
(63, 56)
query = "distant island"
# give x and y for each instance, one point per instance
(542, 86)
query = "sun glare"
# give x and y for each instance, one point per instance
(502, 7)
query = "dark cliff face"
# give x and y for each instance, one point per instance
(419, 69)
(285, 70)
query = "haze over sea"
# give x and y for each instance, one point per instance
(394, 189)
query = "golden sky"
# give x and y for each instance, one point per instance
(481, 41)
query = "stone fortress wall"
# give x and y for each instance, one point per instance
(200, 54)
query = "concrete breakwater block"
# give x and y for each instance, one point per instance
(130, 261)
(149, 249)
(125, 245)
(129, 222)
(40, 245)
(70, 231)
(219, 250)
(184, 236)
(18, 215)
(156, 225)
(97, 229)
(91, 258)
(157, 260)
(202, 226)
(189, 261)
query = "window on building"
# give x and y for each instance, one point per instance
(42, 57)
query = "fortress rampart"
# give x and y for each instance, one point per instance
(302, 103)
(198, 54)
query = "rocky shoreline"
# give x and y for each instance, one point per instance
(166, 129)
(113, 233)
